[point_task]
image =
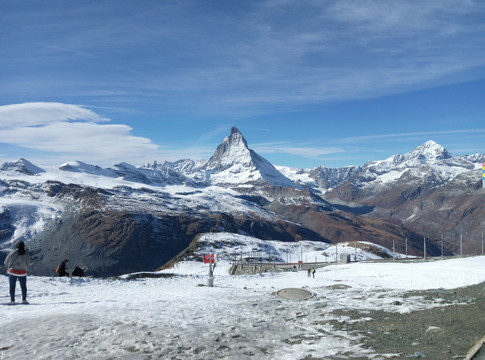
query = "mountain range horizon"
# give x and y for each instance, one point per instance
(105, 216)
(428, 148)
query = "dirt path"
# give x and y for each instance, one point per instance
(441, 333)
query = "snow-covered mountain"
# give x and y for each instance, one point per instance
(20, 167)
(426, 190)
(424, 155)
(107, 218)
(427, 159)
(233, 163)
(123, 218)
(429, 165)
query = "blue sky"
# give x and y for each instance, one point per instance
(308, 83)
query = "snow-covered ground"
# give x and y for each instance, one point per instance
(179, 317)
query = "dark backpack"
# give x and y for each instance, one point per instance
(78, 272)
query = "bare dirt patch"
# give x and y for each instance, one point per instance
(444, 332)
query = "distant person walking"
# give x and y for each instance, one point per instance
(313, 272)
(309, 272)
(61, 269)
(17, 262)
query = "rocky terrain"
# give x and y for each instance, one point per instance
(445, 332)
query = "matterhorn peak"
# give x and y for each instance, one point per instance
(237, 139)
(233, 150)
(430, 150)
(235, 130)
(233, 160)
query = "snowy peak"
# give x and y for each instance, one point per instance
(234, 163)
(428, 154)
(20, 166)
(233, 150)
(429, 151)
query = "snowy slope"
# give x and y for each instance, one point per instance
(26, 206)
(239, 318)
(233, 247)
(27, 217)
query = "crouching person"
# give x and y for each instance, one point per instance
(62, 269)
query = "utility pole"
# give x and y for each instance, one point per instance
(461, 244)
(406, 246)
(441, 246)
(482, 242)
(424, 248)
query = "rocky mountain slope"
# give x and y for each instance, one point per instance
(427, 191)
(126, 218)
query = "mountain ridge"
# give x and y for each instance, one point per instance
(225, 158)
(109, 215)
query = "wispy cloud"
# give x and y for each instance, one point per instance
(406, 135)
(259, 56)
(305, 151)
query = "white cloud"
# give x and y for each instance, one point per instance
(71, 129)
(41, 113)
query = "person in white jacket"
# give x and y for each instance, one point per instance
(17, 262)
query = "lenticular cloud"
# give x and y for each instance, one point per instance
(42, 113)
(69, 129)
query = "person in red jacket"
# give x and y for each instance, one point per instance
(17, 262)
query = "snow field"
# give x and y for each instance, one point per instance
(239, 318)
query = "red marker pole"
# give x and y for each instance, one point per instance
(210, 260)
